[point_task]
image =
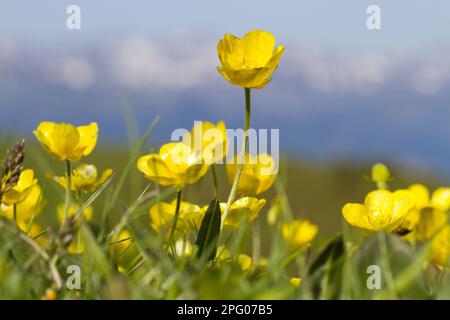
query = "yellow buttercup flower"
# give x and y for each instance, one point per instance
(123, 249)
(295, 282)
(249, 62)
(176, 165)
(440, 248)
(34, 231)
(22, 189)
(258, 173)
(243, 208)
(72, 210)
(422, 200)
(162, 216)
(223, 255)
(439, 201)
(209, 139)
(28, 208)
(76, 246)
(430, 221)
(298, 232)
(382, 210)
(85, 178)
(65, 141)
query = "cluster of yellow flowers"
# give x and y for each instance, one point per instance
(68, 143)
(410, 212)
(248, 63)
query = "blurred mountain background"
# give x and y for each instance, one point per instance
(343, 97)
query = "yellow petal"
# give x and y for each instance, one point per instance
(356, 215)
(156, 169)
(421, 195)
(22, 189)
(441, 199)
(88, 137)
(258, 48)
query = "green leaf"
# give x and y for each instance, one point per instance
(326, 270)
(209, 232)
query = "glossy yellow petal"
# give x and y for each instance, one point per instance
(259, 47)
(421, 195)
(441, 199)
(243, 208)
(356, 215)
(88, 137)
(258, 174)
(208, 139)
(27, 209)
(154, 168)
(22, 189)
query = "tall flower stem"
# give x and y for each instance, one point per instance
(177, 213)
(67, 196)
(241, 160)
(15, 212)
(215, 181)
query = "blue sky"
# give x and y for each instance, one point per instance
(406, 23)
(341, 91)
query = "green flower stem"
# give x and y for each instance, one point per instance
(215, 181)
(67, 197)
(15, 212)
(384, 255)
(237, 176)
(177, 213)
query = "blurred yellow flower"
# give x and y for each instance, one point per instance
(430, 221)
(295, 282)
(76, 246)
(440, 248)
(72, 210)
(28, 208)
(50, 294)
(32, 230)
(162, 216)
(85, 178)
(382, 210)
(380, 173)
(249, 62)
(65, 141)
(22, 189)
(298, 232)
(258, 173)
(123, 250)
(176, 165)
(209, 139)
(241, 209)
(440, 201)
(245, 262)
